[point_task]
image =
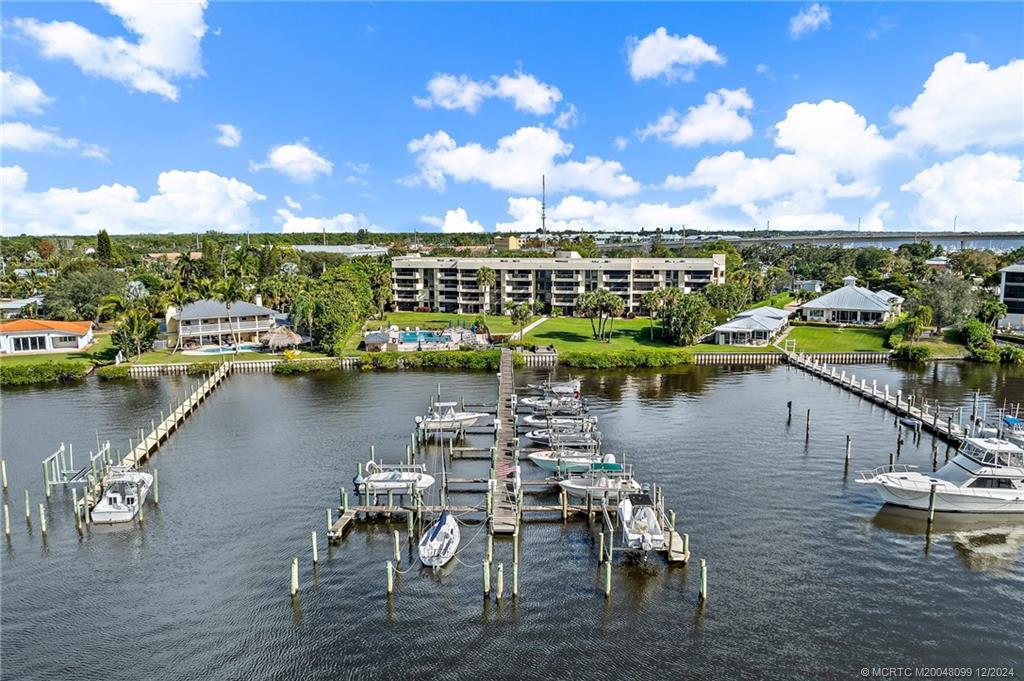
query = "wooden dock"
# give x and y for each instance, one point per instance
(505, 510)
(932, 419)
(148, 443)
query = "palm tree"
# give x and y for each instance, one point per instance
(228, 291)
(203, 288)
(520, 316)
(186, 269)
(653, 302)
(485, 278)
(179, 297)
(304, 311)
(240, 262)
(113, 305)
(135, 326)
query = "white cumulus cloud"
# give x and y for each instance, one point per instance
(516, 164)
(186, 201)
(983, 191)
(462, 92)
(167, 47)
(808, 20)
(25, 137)
(230, 135)
(575, 213)
(718, 119)
(21, 95)
(342, 222)
(296, 160)
(292, 203)
(455, 222)
(662, 55)
(966, 104)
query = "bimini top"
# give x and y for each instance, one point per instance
(1012, 421)
(991, 451)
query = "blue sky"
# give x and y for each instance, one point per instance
(444, 116)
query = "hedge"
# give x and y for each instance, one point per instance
(113, 371)
(201, 368)
(626, 359)
(911, 353)
(45, 372)
(471, 360)
(305, 367)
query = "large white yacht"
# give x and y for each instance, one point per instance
(985, 476)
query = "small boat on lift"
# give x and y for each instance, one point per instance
(570, 388)
(441, 540)
(985, 476)
(641, 529)
(553, 405)
(560, 438)
(601, 484)
(124, 492)
(445, 416)
(573, 461)
(537, 420)
(381, 478)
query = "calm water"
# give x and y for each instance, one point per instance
(807, 578)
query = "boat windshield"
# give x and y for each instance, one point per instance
(998, 453)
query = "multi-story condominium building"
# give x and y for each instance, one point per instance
(1011, 292)
(450, 284)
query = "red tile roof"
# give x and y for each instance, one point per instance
(21, 325)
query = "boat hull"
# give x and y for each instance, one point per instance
(103, 514)
(439, 544)
(577, 491)
(450, 423)
(377, 486)
(949, 502)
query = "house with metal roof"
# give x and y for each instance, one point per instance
(1011, 293)
(37, 336)
(19, 306)
(852, 304)
(758, 326)
(208, 322)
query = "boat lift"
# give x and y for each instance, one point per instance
(59, 467)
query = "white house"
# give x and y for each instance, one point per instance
(23, 336)
(205, 322)
(852, 304)
(19, 306)
(1011, 293)
(759, 326)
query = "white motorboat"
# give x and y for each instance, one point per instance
(601, 484)
(537, 420)
(399, 478)
(570, 388)
(445, 416)
(124, 491)
(1013, 430)
(573, 461)
(440, 542)
(553, 405)
(985, 476)
(560, 438)
(641, 528)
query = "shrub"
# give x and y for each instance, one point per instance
(977, 336)
(113, 371)
(45, 372)
(911, 352)
(1012, 354)
(474, 360)
(202, 368)
(626, 359)
(286, 368)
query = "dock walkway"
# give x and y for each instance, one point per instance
(934, 419)
(505, 511)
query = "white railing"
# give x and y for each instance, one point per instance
(888, 468)
(219, 327)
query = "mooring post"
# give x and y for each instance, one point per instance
(408, 454)
(391, 499)
(703, 580)
(344, 500)
(156, 487)
(892, 459)
(931, 505)
(3, 469)
(313, 538)
(295, 578)
(7, 521)
(46, 481)
(372, 452)
(686, 544)
(515, 579)
(590, 504)
(600, 548)
(849, 447)
(608, 579)
(486, 569)
(490, 547)
(974, 409)
(808, 431)
(899, 443)
(42, 518)
(789, 407)
(499, 592)
(138, 498)
(515, 544)
(439, 390)
(935, 455)
(409, 522)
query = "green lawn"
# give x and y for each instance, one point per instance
(439, 320)
(949, 345)
(779, 300)
(101, 352)
(567, 334)
(165, 357)
(846, 339)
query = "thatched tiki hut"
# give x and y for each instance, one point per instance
(281, 337)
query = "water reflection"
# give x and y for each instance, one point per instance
(982, 542)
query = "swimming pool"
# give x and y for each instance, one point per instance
(423, 337)
(242, 347)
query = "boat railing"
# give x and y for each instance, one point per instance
(888, 468)
(377, 467)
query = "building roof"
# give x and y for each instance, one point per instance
(351, 251)
(756, 319)
(19, 303)
(376, 337)
(558, 262)
(29, 325)
(853, 297)
(1015, 267)
(889, 295)
(213, 309)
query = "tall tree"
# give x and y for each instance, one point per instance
(179, 297)
(485, 278)
(229, 291)
(689, 319)
(104, 251)
(654, 303)
(520, 317)
(135, 331)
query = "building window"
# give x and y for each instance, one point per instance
(67, 339)
(28, 343)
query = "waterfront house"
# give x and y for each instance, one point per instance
(758, 326)
(809, 285)
(1011, 293)
(17, 307)
(939, 263)
(449, 284)
(852, 304)
(36, 336)
(205, 322)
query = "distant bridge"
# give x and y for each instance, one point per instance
(748, 239)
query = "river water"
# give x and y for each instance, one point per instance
(808, 578)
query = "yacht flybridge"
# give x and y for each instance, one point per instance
(985, 476)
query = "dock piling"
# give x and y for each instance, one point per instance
(931, 505)
(600, 548)
(313, 538)
(156, 487)
(703, 580)
(295, 578)
(28, 509)
(808, 431)
(608, 579)
(398, 550)
(3, 470)
(849, 448)
(515, 580)
(486, 569)
(499, 592)
(7, 521)
(330, 520)
(42, 519)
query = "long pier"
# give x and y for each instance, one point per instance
(504, 491)
(933, 419)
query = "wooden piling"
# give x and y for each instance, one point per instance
(789, 407)
(344, 500)
(486, 569)
(138, 499)
(563, 496)
(3, 470)
(931, 505)
(515, 579)
(46, 481)
(330, 520)
(156, 487)
(703, 580)
(28, 509)
(490, 547)
(313, 538)
(608, 579)
(42, 519)
(849, 447)
(7, 521)
(499, 592)
(808, 431)
(294, 591)
(398, 550)
(600, 548)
